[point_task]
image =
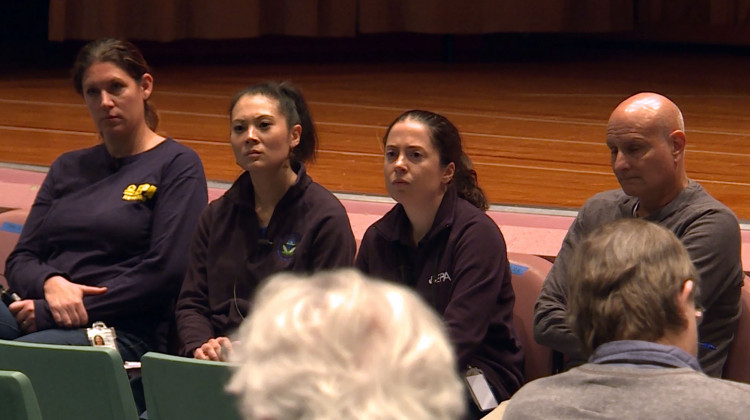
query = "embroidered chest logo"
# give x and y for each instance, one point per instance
(440, 278)
(142, 192)
(288, 246)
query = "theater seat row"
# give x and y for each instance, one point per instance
(90, 383)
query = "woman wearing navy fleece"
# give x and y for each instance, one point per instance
(106, 239)
(438, 240)
(274, 218)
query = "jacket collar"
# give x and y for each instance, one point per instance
(395, 225)
(643, 353)
(242, 193)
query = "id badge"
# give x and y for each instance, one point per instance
(102, 336)
(480, 389)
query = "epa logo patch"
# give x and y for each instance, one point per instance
(288, 246)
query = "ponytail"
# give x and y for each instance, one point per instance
(308, 142)
(466, 184)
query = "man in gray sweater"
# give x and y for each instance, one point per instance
(646, 138)
(632, 302)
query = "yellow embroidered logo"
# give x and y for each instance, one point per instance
(142, 192)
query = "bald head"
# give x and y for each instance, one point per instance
(646, 138)
(649, 111)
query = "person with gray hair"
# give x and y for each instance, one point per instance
(340, 345)
(632, 303)
(647, 143)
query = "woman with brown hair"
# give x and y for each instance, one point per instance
(438, 240)
(106, 239)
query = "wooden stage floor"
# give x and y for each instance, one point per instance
(535, 130)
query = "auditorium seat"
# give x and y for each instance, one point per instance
(528, 273)
(73, 382)
(17, 398)
(11, 222)
(737, 367)
(180, 388)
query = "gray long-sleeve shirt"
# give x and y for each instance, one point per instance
(710, 232)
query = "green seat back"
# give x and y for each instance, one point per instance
(17, 398)
(179, 388)
(73, 382)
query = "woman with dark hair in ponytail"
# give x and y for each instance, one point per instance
(273, 218)
(438, 240)
(106, 239)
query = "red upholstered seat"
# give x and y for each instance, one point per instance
(528, 273)
(737, 367)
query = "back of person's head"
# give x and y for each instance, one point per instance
(338, 345)
(293, 107)
(446, 139)
(624, 282)
(121, 53)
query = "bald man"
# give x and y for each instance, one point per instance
(646, 139)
